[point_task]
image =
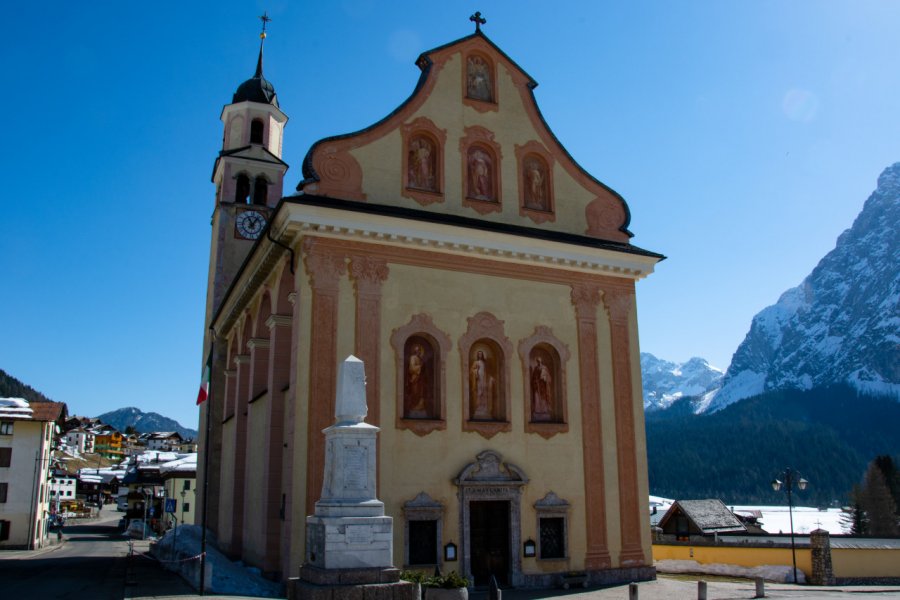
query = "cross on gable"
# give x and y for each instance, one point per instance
(265, 21)
(478, 20)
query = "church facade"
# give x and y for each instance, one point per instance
(487, 282)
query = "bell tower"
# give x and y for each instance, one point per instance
(249, 177)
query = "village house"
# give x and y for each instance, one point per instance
(27, 433)
(180, 483)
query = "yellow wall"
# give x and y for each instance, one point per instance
(552, 465)
(226, 495)
(858, 562)
(254, 511)
(846, 562)
(743, 557)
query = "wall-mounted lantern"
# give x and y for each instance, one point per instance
(530, 549)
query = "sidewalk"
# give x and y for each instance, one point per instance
(146, 578)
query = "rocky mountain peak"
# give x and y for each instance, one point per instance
(840, 324)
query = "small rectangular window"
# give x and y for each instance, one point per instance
(6, 427)
(187, 506)
(187, 484)
(4, 530)
(423, 543)
(553, 537)
(5, 457)
(3, 488)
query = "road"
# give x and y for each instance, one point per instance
(90, 564)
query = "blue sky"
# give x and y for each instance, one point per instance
(745, 137)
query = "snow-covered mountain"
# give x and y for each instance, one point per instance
(665, 382)
(841, 324)
(144, 422)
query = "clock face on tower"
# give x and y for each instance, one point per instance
(249, 224)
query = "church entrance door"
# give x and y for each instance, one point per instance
(489, 541)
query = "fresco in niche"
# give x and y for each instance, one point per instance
(480, 184)
(422, 161)
(544, 386)
(479, 83)
(419, 379)
(537, 188)
(485, 363)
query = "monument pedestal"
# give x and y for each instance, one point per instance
(349, 540)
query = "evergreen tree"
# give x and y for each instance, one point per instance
(878, 503)
(891, 478)
(854, 517)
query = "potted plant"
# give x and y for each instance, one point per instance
(451, 586)
(415, 577)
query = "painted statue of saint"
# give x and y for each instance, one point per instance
(541, 391)
(416, 391)
(481, 385)
(479, 85)
(481, 184)
(421, 165)
(535, 186)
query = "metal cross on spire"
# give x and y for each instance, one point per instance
(265, 20)
(478, 20)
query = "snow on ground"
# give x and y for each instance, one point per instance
(222, 575)
(776, 573)
(776, 519)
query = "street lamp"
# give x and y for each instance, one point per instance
(791, 478)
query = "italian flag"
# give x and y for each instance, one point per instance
(204, 384)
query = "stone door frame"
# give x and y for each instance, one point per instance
(488, 478)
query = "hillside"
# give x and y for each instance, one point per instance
(828, 434)
(144, 422)
(10, 387)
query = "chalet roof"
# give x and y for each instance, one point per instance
(19, 409)
(709, 516)
(48, 411)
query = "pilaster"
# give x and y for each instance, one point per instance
(619, 304)
(585, 298)
(325, 268)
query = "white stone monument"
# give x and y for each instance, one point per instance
(349, 529)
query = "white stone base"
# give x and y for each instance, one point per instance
(349, 542)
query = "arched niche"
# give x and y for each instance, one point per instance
(420, 351)
(484, 353)
(544, 360)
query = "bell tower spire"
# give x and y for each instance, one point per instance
(248, 174)
(262, 40)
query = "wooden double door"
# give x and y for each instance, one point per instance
(489, 541)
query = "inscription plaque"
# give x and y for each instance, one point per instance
(355, 468)
(358, 534)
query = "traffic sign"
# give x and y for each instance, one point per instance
(170, 505)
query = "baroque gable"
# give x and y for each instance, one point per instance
(469, 142)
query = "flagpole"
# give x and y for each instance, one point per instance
(212, 344)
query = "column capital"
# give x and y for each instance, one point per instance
(254, 343)
(585, 297)
(324, 266)
(368, 273)
(278, 321)
(241, 359)
(619, 304)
